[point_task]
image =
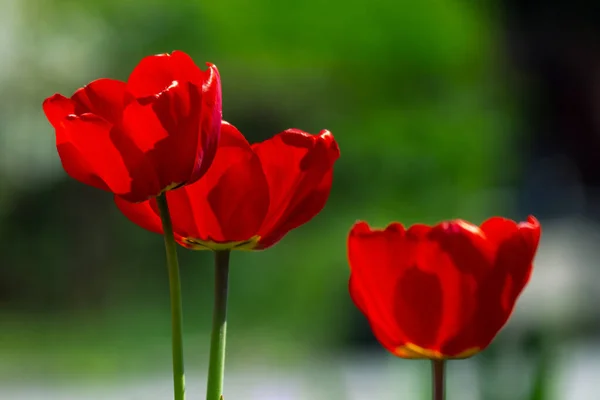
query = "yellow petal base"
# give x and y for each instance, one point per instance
(413, 351)
(172, 186)
(244, 245)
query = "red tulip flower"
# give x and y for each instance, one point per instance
(251, 196)
(444, 291)
(136, 139)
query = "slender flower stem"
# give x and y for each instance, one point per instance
(175, 291)
(438, 380)
(216, 366)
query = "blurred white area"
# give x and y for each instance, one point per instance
(565, 285)
(578, 372)
(563, 294)
(356, 378)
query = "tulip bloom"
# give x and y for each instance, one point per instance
(136, 139)
(251, 196)
(444, 291)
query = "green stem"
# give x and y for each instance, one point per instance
(438, 379)
(175, 291)
(216, 366)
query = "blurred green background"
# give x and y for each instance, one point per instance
(426, 109)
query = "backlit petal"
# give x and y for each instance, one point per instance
(153, 74)
(297, 166)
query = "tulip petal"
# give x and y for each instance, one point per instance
(86, 147)
(76, 166)
(386, 341)
(240, 199)
(419, 293)
(465, 258)
(498, 229)
(531, 232)
(57, 107)
(297, 166)
(466, 245)
(374, 273)
(301, 213)
(103, 97)
(153, 74)
(516, 245)
(210, 121)
(141, 214)
(167, 132)
(230, 202)
(434, 295)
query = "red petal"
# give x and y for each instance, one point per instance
(515, 249)
(57, 107)
(229, 203)
(498, 229)
(531, 232)
(357, 297)
(419, 304)
(466, 245)
(301, 213)
(183, 210)
(375, 269)
(102, 97)
(418, 231)
(86, 148)
(141, 214)
(210, 121)
(167, 133)
(296, 165)
(76, 165)
(155, 73)
(179, 112)
(464, 258)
